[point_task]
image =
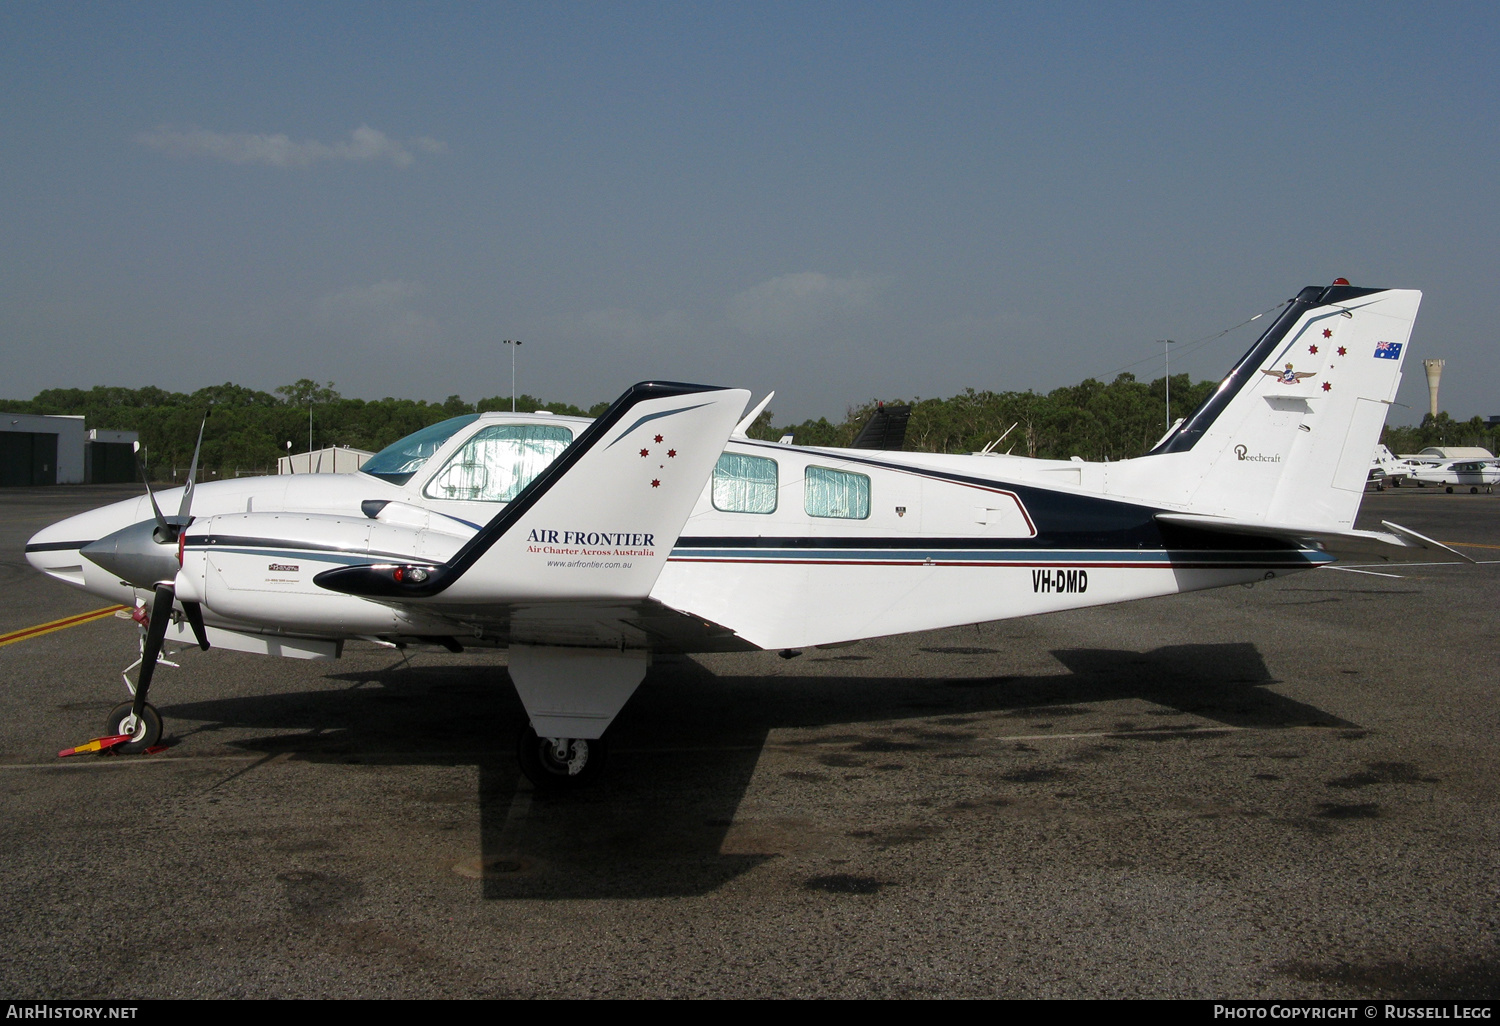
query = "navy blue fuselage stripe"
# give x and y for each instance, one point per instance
(57, 546)
(229, 542)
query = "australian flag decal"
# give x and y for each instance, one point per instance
(1388, 350)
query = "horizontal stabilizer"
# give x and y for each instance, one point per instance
(1398, 545)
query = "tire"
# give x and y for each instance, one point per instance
(539, 762)
(1473, 490)
(147, 732)
(1450, 489)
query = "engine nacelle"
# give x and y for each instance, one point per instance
(258, 568)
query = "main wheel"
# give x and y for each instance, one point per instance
(1473, 489)
(1450, 489)
(555, 764)
(144, 732)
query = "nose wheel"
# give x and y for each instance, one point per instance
(560, 763)
(143, 730)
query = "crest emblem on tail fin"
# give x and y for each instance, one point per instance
(1289, 376)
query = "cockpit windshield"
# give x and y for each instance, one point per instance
(397, 462)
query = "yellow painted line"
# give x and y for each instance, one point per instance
(56, 625)
(1472, 545)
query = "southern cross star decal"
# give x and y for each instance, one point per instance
(1328, 333)
(671, 454)
(1310, 349)
(1327, 386)
(1343, 351)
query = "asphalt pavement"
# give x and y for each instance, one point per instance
(1280, 791)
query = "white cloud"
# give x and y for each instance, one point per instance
(799, 302)
(381, 312)
(364, 143)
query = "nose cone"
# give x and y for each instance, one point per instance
(51, 551)
(135, 555)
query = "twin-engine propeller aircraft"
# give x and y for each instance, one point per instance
(584, 547)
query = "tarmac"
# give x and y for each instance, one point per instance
(1286, 791)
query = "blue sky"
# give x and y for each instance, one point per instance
(838, 201)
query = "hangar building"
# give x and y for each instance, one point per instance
(48, 450)
(332, 460)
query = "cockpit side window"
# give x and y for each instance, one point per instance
(498, 462)
(398, 461)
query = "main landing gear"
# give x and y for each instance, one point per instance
(571, 696)
(560, 763)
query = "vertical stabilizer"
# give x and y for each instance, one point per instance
(1289, 434)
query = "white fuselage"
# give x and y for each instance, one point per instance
(807, 546)
(1459, 473)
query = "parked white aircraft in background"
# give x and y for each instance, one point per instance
(583, 547)
(1472, 475)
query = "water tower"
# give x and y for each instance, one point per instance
(1434, 370)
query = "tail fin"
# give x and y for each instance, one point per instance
(1289, 434)
(598, 523)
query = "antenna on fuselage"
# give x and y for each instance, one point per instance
(991, 447)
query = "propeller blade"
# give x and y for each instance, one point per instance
(192, 478)
(156, 632)
(140, 466)
(195, 619)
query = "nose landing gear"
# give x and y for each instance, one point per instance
(144, 730)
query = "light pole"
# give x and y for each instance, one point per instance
(1166, 352)
(515, 344)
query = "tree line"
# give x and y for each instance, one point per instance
(249, 429)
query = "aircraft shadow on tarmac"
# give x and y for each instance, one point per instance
(687, 744)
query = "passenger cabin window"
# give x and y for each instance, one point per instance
(744, 484)
(498, 462)
(836, 493)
